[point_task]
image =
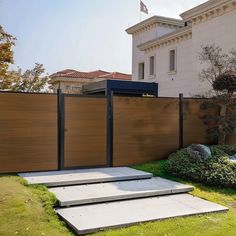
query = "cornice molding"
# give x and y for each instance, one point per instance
(154, 22)
(167, 40)
(209, 10)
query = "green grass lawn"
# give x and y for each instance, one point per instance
(27, 211)
(220, 224)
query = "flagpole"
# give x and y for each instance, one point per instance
(143, 8)
(140, 11)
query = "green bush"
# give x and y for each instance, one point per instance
(228, 149)
(216, 170)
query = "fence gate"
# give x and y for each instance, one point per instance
(85, 131)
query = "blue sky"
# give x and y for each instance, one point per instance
(79, 34)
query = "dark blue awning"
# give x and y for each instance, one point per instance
(134, 88)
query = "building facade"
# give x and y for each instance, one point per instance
(166, 50)
(72, 81)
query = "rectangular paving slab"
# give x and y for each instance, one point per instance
(84, 176)
(95, 193)
(90, 218)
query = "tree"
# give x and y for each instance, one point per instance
(225, 82)
(31, 80)
(217, 62)
(221, 74)
(7, 41)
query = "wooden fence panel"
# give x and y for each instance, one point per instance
(28, 132)
(194, 128)
(145, 129)
(85, 131)
(231, 139)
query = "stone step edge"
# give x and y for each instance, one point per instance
(222, 209)
(123, 197)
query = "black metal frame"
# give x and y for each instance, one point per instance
(110, 129)
(181, 121)
(109, 143)
(61, 130)
(61, 133)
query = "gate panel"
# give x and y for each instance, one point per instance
(145, 129)
(85, 131)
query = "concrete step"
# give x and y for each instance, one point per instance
(97, 193)
(91, 218)
(84, 176)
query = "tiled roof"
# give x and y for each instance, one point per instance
(91, 75)
(63, 72)
(71, 74)
(98, 73)
(117, 75)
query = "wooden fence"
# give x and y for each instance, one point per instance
(85, 131)
(28, 132)
(144, 129)
(49, 132)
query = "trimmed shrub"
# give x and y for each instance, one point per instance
(228, 149)
(217, 170)
(226, 81)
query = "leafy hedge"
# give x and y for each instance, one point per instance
(216, 170)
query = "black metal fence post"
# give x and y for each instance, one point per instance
(60, 122)
(110, 129)
(181, 121)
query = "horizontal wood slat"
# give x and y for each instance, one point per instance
(231, 139)
(145, 129)
(194, 128)
(28, 132)
(85, 131)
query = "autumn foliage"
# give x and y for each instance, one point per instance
(31, 80)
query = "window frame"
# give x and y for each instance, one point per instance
(175, 61)
(76, 88)
(143, 71)
(68, 87)
(153, 70)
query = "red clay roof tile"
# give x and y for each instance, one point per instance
(117, 75)
(69, 73)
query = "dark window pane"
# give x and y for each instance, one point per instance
(141, 71)
(152, 65)
(172, 60)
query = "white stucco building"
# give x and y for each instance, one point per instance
(165, 50)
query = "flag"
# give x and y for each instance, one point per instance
(143, 7)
